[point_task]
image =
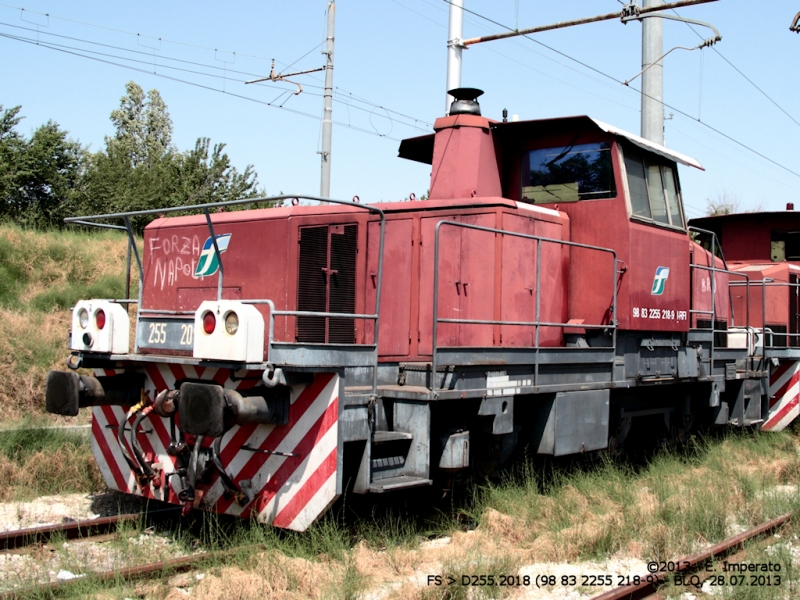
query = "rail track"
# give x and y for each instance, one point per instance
(647, 589)
(94, 530)
(20, 539)
(156, 569)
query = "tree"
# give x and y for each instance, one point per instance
(723, 204)
(52, 169)
(140, 168)
(37, 176)
(144, 127)
(210, 177)
(726, 203)
(12, 146)
(50, 176)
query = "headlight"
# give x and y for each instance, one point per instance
(83, 317)
(231, 323)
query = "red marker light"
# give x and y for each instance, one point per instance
(100, 318)
(209, 322)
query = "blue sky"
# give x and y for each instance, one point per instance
(389, 76)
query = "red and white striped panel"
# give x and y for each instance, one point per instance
(784, 395)
(286, 491)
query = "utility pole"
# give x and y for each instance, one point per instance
(652, 77)
(327, 122)
(454, 47)
(651, 14)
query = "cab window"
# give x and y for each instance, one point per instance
(568, 173)
(653, 189)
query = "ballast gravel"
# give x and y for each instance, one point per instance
(50, 510)
(66, 560)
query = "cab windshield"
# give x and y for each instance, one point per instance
(568, 173)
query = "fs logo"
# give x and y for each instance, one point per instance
(208, 263)
(660, 281)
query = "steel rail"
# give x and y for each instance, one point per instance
(156, 569)
(651, 581)
(20, 538)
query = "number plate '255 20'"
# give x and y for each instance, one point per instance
(172, 334)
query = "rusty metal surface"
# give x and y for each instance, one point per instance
(10, 540)
(158, 569)
(647, 588)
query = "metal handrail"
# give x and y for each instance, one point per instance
(90, 220)
(714, 245)
(537, 324)
(765, 283)
(713, 312)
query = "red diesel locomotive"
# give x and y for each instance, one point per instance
(549, 292)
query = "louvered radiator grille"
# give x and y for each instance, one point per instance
(327, 283)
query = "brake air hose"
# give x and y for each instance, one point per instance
(137, 447)
(227, 482)
(121, 435)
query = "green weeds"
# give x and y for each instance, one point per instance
(37, 461)
(668, 506)
(43, 274)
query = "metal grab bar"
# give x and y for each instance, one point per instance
(537, 324)
(713, 312)
(764, 284)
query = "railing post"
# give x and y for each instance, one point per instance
(614, 319)
(713, 303)
(377, 322)
(217, 253)
(538, 308)
(435, 304)
(132, 244)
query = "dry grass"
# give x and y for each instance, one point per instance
(268, 576)
(43, 462)
(34, 343)
(42, 274)
(665, 509)
(674, 505)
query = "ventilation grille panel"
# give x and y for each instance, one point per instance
(327, 283)
(312, 283)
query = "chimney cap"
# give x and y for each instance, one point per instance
(466, 101)
(790, 206)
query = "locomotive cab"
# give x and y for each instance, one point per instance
(619, 191)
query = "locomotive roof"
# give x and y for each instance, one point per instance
(789, 218)
(420, 148)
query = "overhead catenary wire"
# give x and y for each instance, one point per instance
(86, 23)
(740, 72)
(612, 78)
(604, 82)
(193, 83)
(414, 125)
(527, 65)
(196, 46)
